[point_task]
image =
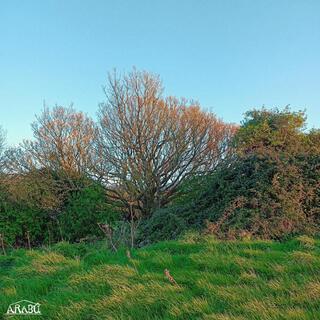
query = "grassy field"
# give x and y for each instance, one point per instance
(214, 280)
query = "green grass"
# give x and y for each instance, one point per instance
(215, 280)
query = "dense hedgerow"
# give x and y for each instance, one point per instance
(270, 188)
(75, 220)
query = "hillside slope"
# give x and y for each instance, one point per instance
(214, 280)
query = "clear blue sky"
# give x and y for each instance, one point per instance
(229, 55)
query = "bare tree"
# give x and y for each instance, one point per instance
(46, 168)
(62, 142)
(149, 143)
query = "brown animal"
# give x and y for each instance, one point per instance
(170, 277)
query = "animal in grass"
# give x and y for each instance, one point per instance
(170, 277)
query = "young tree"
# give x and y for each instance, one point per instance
(149, 143)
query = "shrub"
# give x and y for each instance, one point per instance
(83, 210)
(77, 221)
(269, 188)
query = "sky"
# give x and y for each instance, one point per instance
(230, 55)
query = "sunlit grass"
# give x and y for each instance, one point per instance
(232, 280)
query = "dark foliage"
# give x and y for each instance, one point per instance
(270, 188)
(75, 220)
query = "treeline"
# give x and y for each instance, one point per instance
(153, 167)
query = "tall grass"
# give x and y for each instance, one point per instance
(198, 278)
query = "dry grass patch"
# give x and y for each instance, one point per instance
(114, 275)
(231, 294)
(306, 242)
(10, 291)
(263, 309)
(242, 262)
(249, 276)
(72, 311)
(303, 257)
(278, 268)
(52, 262)
(253, 252)
(194, 306)
(221, 316)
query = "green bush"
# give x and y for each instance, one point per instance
(75, 221)
(83, 210)
(268, 188)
